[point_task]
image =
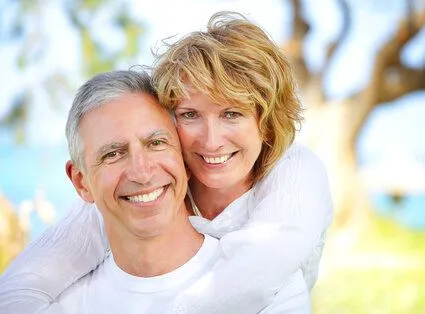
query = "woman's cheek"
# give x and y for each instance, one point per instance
(186, 135)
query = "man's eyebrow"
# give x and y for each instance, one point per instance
(119, 145)
(108, 147)
(159, 133)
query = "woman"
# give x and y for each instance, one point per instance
(233, 96)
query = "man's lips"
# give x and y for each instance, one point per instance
(145, 197)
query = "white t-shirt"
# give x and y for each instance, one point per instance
(108, 289)
(277, 227)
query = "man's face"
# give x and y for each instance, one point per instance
(134, 167)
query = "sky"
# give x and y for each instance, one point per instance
(373, 21)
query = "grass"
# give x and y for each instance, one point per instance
(384, 272)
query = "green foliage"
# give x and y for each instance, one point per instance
(18, 113)
(95, 54)
(96, 57)
(89, 4)
(17, 118)
(132, 32)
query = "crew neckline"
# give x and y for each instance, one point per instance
(203, 258)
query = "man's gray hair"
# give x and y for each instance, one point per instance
(99, 90)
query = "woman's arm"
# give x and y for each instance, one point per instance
(47, 266)
(300, 187)
(292, 298)
(286, 228)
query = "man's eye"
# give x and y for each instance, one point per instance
(157, 144)
(232, 115)
(112, 156)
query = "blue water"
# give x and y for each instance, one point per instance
(409, 211)
(24, 169)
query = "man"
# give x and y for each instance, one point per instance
(126, 158)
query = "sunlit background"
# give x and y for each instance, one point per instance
(360, 66)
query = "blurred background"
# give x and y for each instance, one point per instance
(361, 71)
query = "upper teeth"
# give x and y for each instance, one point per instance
(217, 160)
(149, 197)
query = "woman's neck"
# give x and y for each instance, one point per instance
(212, 201)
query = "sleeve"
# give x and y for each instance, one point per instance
(297, 195)
(293, 297)
(292, 212)
(47, 266)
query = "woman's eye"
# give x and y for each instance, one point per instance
(232, 114)
(189, 115)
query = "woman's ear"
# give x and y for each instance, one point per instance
(79, 180)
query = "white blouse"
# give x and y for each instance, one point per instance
(267, 234)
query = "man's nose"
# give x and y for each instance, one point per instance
(140, 167)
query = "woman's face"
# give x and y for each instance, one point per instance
(220, 143)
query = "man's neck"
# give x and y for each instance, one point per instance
(157, 255)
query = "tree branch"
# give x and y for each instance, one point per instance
(401, 82)
(333, 46)
(294, 46)
(390, 78)
(396, 79)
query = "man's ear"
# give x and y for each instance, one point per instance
(79, 181)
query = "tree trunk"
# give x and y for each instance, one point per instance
(328, 132)
(331, 127)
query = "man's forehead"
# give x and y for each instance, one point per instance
(139, 113)
(140, 103)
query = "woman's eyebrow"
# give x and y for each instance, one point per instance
(183, 108)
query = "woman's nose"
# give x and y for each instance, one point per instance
(213, 136)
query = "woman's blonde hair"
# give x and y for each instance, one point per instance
(235, 62)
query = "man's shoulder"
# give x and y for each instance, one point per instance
(86, 288)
